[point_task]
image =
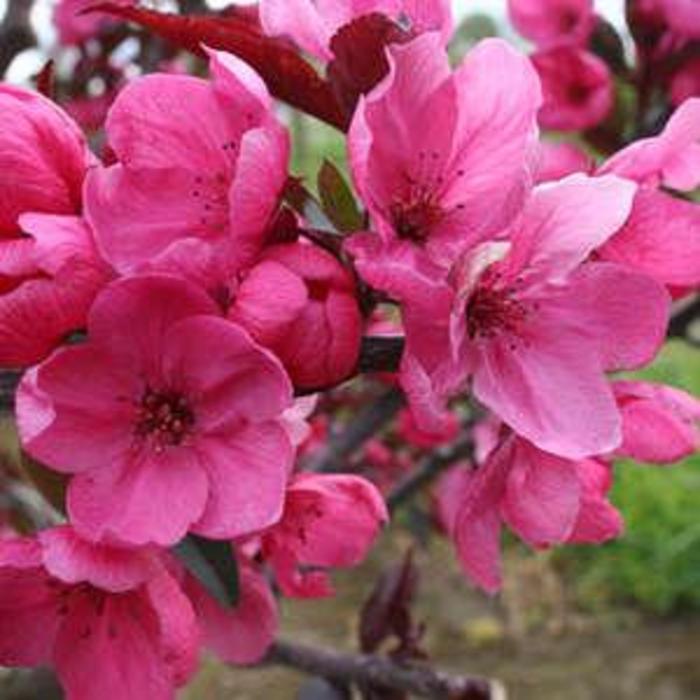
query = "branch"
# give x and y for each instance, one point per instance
(16, 33)
(369, 421)
(368, 670)
(431, 468)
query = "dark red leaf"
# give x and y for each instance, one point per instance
(288, 76)
(387, 612)
(45, 79)
(360, 58)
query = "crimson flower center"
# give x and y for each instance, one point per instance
(491, 311)
(164, 417)
(414, 218)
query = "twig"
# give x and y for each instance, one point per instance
(367, 670)
(369, 421)
(431, 468)
(16, 33)
(9, 379)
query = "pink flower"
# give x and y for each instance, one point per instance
(440, 158)
(557, 160)
(553, 22)
(311, 24)
(544, 499)
(43, 159)
(329, 521)
(660, 237)
(577, 87)
(197, 161)
(685, 82)
(49, 269)
(243, 633)
(532, 325)
(683, 16)
(299, 302)
(74, 27)
(169, 418)
(660, 424)
(409, 431)
(112, 622)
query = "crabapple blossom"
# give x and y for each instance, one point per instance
(49, 268)
(314, 323)
(553, 22)
(440, 157)
(169, 418)
(74, 26)
(661, 238)
(660, 424)
(196, 159)
(543, 498)
(577, 88)
(515, 316)
(329, 521)
(112, 622)
(557, 160)
(311, 24)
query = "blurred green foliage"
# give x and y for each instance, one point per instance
(656, 564)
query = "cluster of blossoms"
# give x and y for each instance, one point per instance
(173, 318)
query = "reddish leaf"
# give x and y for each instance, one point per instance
(45, 80)
(360, 58)
(289, 77)
(387, 612)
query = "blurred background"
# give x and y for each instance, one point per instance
(609, 622)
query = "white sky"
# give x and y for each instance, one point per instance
(30, 62)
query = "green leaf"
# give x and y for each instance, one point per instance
(338, 202)
(304, 203)
(213, 564)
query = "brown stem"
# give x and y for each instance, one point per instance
(367, 670)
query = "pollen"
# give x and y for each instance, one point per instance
(491, 311)
(165, 418)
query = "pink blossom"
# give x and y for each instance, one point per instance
(685, 82)
(168, 417)
(577, 87)
(49, 269)
(553, 22)
(409, 431)
(532, 325)
(329, 521)
(113, 623)
(544, 499)
(660, 424)
(299, 302)
(243, 633)
(311, 24)
(74, 27)
(683, 16)
(43, 158)
(660, 237)
(557, 160)
(198, 161)
(440, 158)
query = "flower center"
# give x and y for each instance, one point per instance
(491, 311)
(414, 218)
(164, 417)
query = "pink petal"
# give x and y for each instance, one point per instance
(153, 498)
(43, 158)
(542, 496)
(75, 411)
(73, 560)
(660, 239)
(242, 634)
(231, 380)
(300, 21)
(247, 473)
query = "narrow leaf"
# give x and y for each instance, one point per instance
(213, 564)
(288, 76)
(337, 199)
